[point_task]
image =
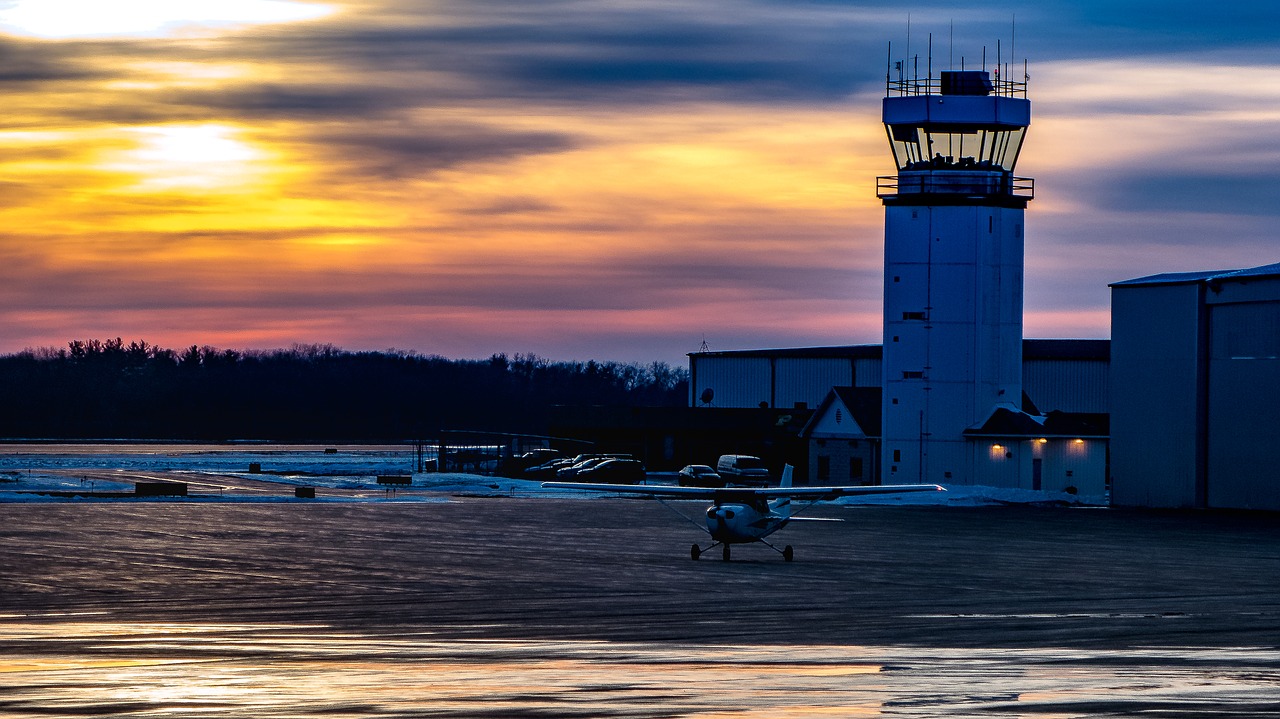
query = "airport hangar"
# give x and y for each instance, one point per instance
(1195, 366)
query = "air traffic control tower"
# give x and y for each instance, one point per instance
(952, 270)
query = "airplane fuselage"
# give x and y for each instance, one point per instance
(738, 523)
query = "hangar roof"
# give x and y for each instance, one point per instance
(1180, 278)
(834, 352)
(1033, 349)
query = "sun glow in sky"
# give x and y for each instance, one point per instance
(198, 156)
(581, 179)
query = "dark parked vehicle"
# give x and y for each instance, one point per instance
(517, 467)
(544, 472)
(699, 475)
(574, 470)
(615, 471)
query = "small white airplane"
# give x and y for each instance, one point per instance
(741, 515)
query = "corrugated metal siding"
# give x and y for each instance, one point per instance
(736, 381)
(1154, 367)
(866, 372)
(1068, 385)
(809, 380)
(1244, 405)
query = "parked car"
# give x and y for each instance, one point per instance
(617, 471)
(743, 469)
(574, 470)
(699, 475)
(518, 467)
(544, 472)
(542, 455)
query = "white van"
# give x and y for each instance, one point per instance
(742, 469)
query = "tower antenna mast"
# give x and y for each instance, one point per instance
(1013, 39)
(908, 55)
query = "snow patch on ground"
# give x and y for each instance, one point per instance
(976, 496)
(28, 469)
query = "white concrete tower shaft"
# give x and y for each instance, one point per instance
(953, 270)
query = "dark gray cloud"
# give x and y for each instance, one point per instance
(633, 52)
(1218, 194)
(25, 61)
(1240, 194)
(596, 51)
(409, 151)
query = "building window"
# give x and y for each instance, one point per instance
(824, 469)
(855, 468)
(913, 315)
(897, 455)
(912, 374)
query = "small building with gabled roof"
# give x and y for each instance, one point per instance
(1054, 452)
(843, 437)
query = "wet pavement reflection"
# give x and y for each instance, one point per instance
(75, 666)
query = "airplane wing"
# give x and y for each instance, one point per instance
(650, 489)
(730, 494)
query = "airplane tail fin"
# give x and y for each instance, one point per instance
(782, 505)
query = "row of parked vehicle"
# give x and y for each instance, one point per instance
(731, 470)
(614, 468)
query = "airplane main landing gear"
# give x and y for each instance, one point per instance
(695, 551)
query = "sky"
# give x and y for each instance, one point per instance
(606, 179)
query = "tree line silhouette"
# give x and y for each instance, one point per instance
(110, 389)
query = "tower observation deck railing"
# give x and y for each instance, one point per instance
(952, 182)
(913, 86)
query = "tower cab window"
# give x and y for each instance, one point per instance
(956, 147)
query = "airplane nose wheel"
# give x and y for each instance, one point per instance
(694, 552)
(788, 553)
(725, 556)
